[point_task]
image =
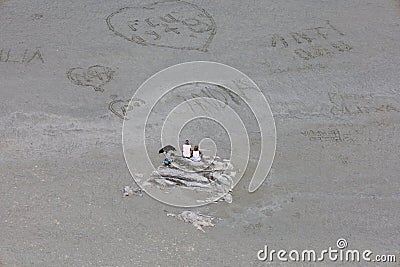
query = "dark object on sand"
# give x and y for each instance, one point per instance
(166, 149)
(167, 162)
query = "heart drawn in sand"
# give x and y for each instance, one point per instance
(95, 76)
(173, 24)
(120, 107)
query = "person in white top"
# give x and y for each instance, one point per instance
(187, 149)
(196, 154)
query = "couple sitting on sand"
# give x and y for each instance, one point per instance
(194, 154)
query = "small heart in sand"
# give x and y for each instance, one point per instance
(121, 107)
(95, 76)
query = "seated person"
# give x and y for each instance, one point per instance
(187, 149)
(196, 154)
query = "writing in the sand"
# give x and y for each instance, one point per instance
(24, 56)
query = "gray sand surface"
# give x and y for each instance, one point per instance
(329, 70)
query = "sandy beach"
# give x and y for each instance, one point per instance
(328, 69)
